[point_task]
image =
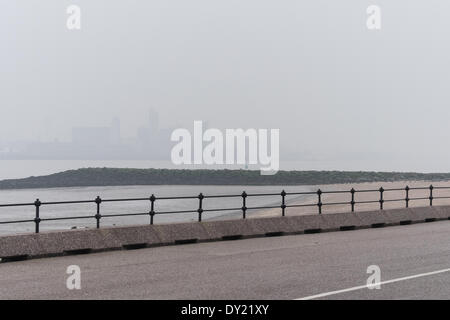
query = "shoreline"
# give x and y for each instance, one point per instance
(109, 177)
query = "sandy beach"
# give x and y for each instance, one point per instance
(360, 196)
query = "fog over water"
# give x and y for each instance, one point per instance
(343, 97)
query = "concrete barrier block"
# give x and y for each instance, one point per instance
(19, 245)
(272, 225)
(443, 211)
(308, 223)
(72, 240)
(181, 232)
(128, 236)
(397, 216)
(371, 218)
(342, 220)
(425, 213)
(232, 228)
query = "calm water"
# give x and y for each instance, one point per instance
(89, 193)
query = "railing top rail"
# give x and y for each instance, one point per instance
(223, 196)
(17, 204)
(125, 199)
(420, 188)
(177, 197)
(367, 190)
(262, 194)
(301, 193)
(66, 202)
(393, 189)
(334, 191)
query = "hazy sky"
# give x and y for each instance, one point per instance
(310, 68)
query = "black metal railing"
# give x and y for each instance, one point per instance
(201, 211)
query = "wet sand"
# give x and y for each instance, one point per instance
(388, 195)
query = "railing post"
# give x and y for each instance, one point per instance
(200, 206)
(431, 194)
(319, 200)
(283, 203)
(98, 216)
(37, 219)
(407, 196)
(244, 204)
(381, 198)
(152, 207)
(352, 202)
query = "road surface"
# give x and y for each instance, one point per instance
(414, 261)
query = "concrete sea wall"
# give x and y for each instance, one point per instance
(55, 243)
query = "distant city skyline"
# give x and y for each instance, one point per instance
(149, 142)
(97, 142)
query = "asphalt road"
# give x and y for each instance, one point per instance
(288, 267)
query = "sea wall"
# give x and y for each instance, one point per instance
(56, 243)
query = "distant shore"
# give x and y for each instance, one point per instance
(91, 177)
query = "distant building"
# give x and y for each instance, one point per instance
(152, 141)
(153, 121)
(98, 143)
(87, 136)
